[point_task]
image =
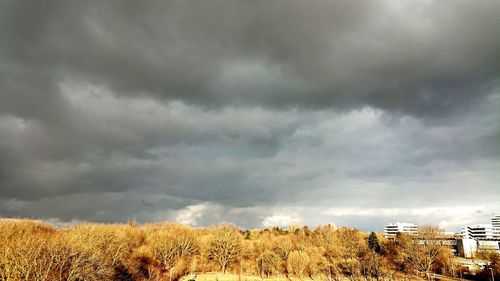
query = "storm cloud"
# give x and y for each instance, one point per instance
(256, 112)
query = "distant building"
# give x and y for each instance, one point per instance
(495, 222)
(478, 231)
(392, 229)
(466, 248)
(488, 245)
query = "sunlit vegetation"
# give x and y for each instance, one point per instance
(33, 250)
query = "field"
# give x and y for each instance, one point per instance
(235, 277)
(230, 277)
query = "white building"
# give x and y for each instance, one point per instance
(495, 222)
(478, 231)
(390, 230)
(466, 248)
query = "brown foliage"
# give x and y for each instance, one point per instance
(32, 250)
(297, 262)
(224, 245)
(172, 242)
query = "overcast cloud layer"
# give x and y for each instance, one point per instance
(260, 113)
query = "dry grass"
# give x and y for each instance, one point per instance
(236, 277)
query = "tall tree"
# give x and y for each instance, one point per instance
(373, 242)
(429, 247)
(225, 246)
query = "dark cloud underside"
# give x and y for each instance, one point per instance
(250, 110)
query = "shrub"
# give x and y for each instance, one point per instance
(297, 262)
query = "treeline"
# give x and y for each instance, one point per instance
(31, 250)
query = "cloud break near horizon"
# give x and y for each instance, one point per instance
(259, 113)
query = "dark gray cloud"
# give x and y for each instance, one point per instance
(412, 57)
(253, 112)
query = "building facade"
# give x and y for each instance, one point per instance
(478, 231)
(392, 229)
(495, 222)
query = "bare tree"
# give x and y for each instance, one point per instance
(35, 251)
(428, 247)
(173, 245)
(352, 247)
(225, 246)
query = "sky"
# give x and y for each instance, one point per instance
(259, 113)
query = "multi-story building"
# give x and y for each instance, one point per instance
(392, 229)
(478, 231)
(495, 222)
